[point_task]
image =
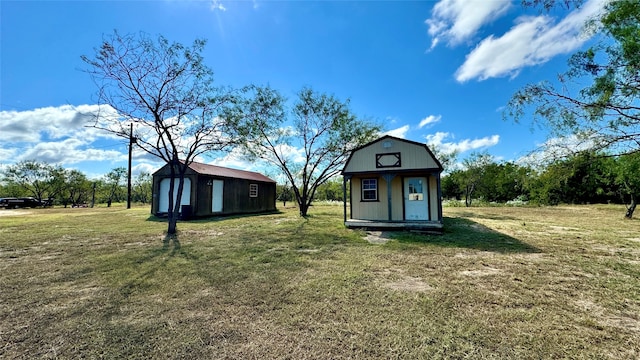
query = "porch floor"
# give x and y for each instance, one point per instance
(429, 226)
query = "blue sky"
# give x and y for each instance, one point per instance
(431, 71)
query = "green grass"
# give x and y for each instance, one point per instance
(520, 283)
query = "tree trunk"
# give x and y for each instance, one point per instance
(468, 194)
(304, 208)
(172, 219)
(174, 206)
(631, 208)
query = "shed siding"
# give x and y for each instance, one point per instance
(397, 202)
(377, 210)
(368, 210)
(235, 199)
(203, 205)
(412, 156)
(433, 197)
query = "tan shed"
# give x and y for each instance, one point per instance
(394, 183)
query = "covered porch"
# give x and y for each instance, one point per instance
(423, 226)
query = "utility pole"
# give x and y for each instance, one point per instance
(93, 195)
(132, 141)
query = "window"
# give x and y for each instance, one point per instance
(369, 189)
(415, 190)
(253, 190)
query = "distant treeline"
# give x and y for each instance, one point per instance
(70, 187)
(587, 177)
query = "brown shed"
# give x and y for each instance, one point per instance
(215, 190)
(394, 183)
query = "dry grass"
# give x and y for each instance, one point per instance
(522, 283)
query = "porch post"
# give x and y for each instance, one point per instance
(439, 200)
(344, 194)
(388, 178)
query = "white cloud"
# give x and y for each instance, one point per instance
(9, 153)
(217, 5)
(400, 132)
(148, 168)
(437, 141)
(531, 41)
(233, 159)
(456, 21)
(555, 149)
(62, 135)
(54, 122)
(69, 151)
(429, 120)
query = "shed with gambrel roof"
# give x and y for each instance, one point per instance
(394, 183)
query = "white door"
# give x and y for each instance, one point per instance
(416, 205)
(163, 202)
(216, 195)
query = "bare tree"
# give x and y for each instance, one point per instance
(167, 92)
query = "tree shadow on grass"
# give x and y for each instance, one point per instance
(487, 216)
(464, 233)
(215, 218)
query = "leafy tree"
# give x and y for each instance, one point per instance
(283, 193)
(451, 185)
(38, 179)
(549, 4)
(330, 190)
(113, 182)
(76, 189)
(447, 159)
(310, 151)
(475, 170)
(11, 190)
(628, 168)
(605, 113)
(503, 182)
(587, 177)
(141, 189)
(167, 92)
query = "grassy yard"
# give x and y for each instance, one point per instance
(520, 283)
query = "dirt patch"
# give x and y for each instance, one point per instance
(396, 279)
(409, 283)
(606, 317)
(280, 221)
(14, 212)
(308, 251)
(378, 237)
(209, 233)
(481, 272)
(480, 228)
(562, 228)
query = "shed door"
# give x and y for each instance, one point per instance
(216, 195)
(163, 202)
(416, 206)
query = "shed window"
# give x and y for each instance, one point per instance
(369, 189)
(253, 190)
